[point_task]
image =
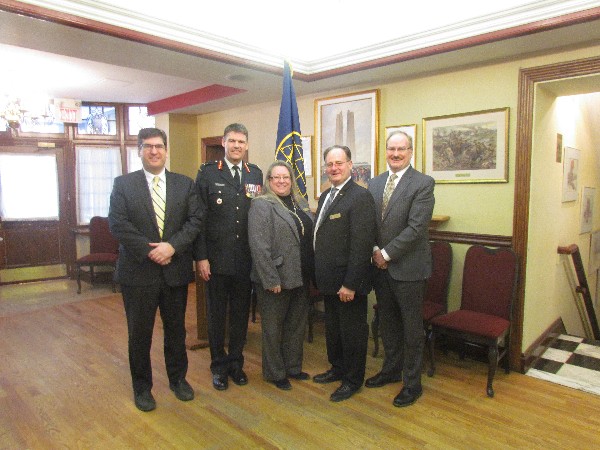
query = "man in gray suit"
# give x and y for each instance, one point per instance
(404, 202)
(155, 216)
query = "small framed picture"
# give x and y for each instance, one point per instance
(570, 186)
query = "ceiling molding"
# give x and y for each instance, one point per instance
(135, 26)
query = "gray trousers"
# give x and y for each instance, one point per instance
(401, 322)
(283, 321)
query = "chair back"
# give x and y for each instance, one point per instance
(489, 280)
(101, 239)
(436, 290)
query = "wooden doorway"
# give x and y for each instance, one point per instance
(213, 150)
(528, 78)
(34, 234)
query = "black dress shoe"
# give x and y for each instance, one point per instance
(284, 384)
(381, 379)
(239, 377)
(144, 401)
(344, 392)
(220, 382)
(183, 391)
(407, 397)
(327, 377)
(299, 376)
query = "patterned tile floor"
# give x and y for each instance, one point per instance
(570, 361)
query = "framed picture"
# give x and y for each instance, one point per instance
(559, 138)
(351, 120)
(467, 148)
(307, 152)
(570, 185)
(587, 210)
(411, 130)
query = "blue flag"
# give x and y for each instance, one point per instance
(289, 144)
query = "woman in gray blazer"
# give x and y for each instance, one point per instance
(280, 235)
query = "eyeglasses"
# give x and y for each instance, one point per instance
(400, 149)
(151, 146)
(337, 164)
(281, 178)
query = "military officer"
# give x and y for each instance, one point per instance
(225, 189)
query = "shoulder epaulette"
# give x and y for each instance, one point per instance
(254, 166)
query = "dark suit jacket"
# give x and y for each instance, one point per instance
(404, 231)
(344, 241)
(133, 222)
(223, 238)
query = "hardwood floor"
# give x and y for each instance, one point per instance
(64, 383)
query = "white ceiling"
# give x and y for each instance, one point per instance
(63, 61)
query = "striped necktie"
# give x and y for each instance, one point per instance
(387, 193)
(159, 205)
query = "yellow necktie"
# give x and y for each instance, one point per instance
(387, 193)
(159, 205)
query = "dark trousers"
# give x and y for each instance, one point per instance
(227, 293)
(141, 303)
(400, 306)
(283, 321)
(347, 335)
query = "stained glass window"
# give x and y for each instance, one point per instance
(42, 125)
(96, 119)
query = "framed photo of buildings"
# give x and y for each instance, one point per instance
(467, 148)
(351, 120)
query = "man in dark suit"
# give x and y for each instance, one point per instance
(225, 189)
(404, 200)
(344, 240)
(155, 216)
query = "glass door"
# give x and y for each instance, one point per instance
(33, 226)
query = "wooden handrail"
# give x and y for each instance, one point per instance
(583, 287)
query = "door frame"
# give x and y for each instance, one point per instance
(528, 78)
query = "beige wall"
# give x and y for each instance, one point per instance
(183, 143)
(474, 208)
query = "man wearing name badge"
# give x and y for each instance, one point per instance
(344, 240)
(154, 214)
(404, 202)
(225, 189)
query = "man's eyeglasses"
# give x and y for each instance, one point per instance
(337, 164)
(400, 149)
(281, 178)
(151, 146)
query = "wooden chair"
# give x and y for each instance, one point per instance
(435, 300)
(484, 318)
(104, 250)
